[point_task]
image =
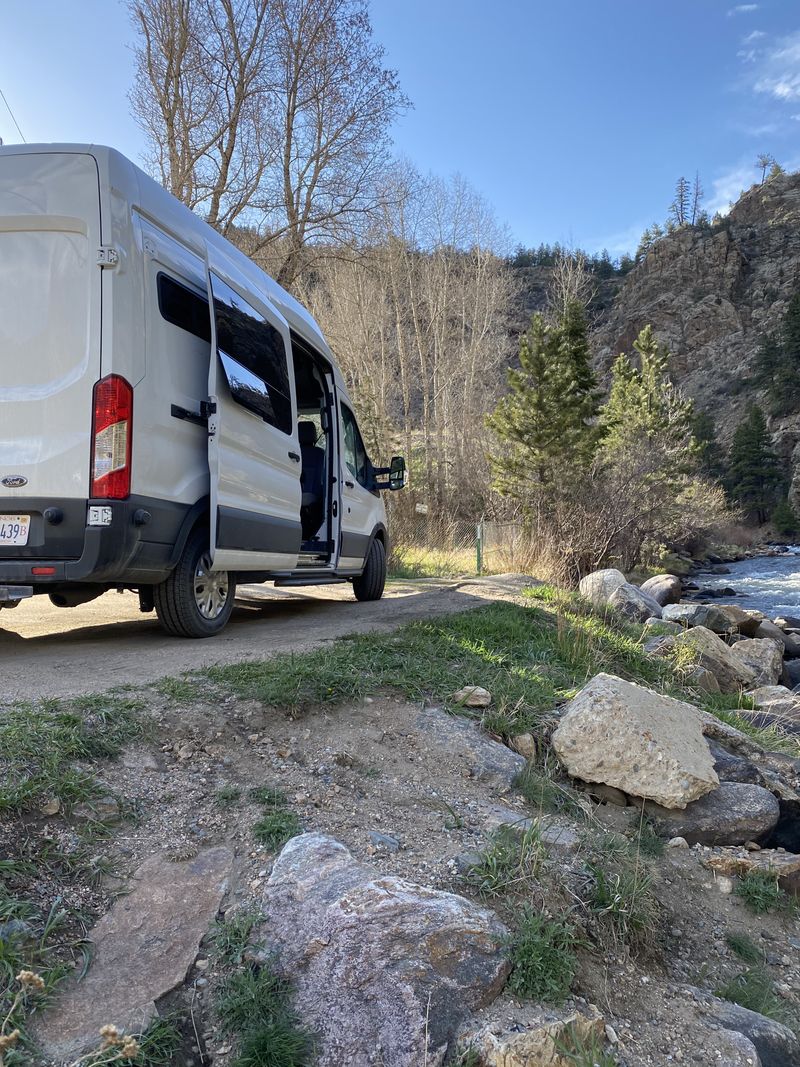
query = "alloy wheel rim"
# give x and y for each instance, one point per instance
(210, 589)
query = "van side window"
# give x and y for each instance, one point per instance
(183, 308)
(355, 455)
(253, 356)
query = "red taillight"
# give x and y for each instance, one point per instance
(43, 570)
(112, 432)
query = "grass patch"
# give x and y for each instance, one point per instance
(728, 708)
(231, 936)
(510, 863)
(745, 948)
(542, 954)
(579, 1051)
(416, 561)
(645, 840)
(254, 1006)
(277, 824)
(181, 690)
(228, 796)
(40, 743)
(760, 892)
(544, 794)
(754, 989)
(622, 898)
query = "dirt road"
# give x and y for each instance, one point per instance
(49, 652)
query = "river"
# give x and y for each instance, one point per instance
(771, 583)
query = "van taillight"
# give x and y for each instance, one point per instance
(112, 431)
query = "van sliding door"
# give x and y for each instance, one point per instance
(253, 449)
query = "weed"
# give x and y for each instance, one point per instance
(624, 899)
(255, 1005)
(753, 989)
(645, 839)
(580, 1051)
(760, 892)
(511, 862)
(745, 948)
(539, 787)
(227, 796)
(183, 690)
(231, 935)
(277, 825)
(542, 954)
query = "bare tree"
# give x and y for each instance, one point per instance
(272, 117)
(570, 282)
(697, 198)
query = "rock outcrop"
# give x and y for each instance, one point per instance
(382, 968)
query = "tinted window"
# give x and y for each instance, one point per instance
(253, 356)
(355, 455)
(184, 308)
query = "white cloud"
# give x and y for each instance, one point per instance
(756, 35)
(742, 9)
(778, 73)
(726, 188)
(622, 241)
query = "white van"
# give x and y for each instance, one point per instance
(171, 420)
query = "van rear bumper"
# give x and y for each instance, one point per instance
(139, 547)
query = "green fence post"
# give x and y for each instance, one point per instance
(479, 546)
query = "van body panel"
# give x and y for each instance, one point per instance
(49, 322)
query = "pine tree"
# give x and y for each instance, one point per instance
(546, 422)
(754, 478)
(680, 208)
(784, 519)
(709, 452)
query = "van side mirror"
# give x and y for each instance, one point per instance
(397, 473)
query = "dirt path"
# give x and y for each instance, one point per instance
(47, 651)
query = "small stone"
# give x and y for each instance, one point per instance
(472, 696)
(384, 841)
(677, 842)
(752, 846)
(724, 885)
(525, 744)
(50, 806)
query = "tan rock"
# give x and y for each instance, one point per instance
(763, 656)
(472, 696)
(711, 652)
(785, 866)
(641, 742)
(525, 744)
(744, 622)
(543, 1042)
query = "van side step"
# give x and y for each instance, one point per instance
(321, 579)
(14, 593)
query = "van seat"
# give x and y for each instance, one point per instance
(312, 478)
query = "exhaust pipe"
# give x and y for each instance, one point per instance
(72, 598)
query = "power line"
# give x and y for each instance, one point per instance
(13, 119)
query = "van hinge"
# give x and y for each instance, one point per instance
(107, 257)
(207, 407)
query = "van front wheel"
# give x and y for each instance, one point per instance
(369, 585)
(195, 601)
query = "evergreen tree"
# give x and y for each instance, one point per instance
(784, 519)
(680, 209)
(709, 453)
(546, 422)
(754, 478)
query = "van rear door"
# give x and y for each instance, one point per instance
(253, 448)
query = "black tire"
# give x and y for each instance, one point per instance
(369, 585)
(185, 606)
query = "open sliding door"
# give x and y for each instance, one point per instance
(253, 449)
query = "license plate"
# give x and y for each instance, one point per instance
(14, 529)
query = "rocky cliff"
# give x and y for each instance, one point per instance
(711, 295)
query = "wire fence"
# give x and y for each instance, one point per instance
(425, 545)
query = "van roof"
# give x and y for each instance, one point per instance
(162, 208)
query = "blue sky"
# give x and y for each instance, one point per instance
(572, 117)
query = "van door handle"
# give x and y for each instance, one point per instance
(350, 485)
(294, 456)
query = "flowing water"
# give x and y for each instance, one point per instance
(769, 583)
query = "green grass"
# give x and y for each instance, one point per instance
(510, 863)
(754, 989)
(578, 1051)
(231, 935)
(645, 840)
(745, 948)
(40, 743)
(621, 896)
(254, 1007)
(542, 954)
(277, 824)
(760, 892)
(227, 796)
(412, 561)
(182, 690)
(543, 793)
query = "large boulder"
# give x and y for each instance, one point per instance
(598, 586)
(776, 706)
(713, 618)
(634, 604)
(763, 656)
(379, 965)
(730, 815)
(641, 742)
(663, 588)
(776, 1044)
(733, 768)
(791, 644)
(743, 622)
(711, 652)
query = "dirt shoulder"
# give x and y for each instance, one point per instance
(56, 652)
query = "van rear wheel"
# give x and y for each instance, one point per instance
(369, 585)
(195, 601)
